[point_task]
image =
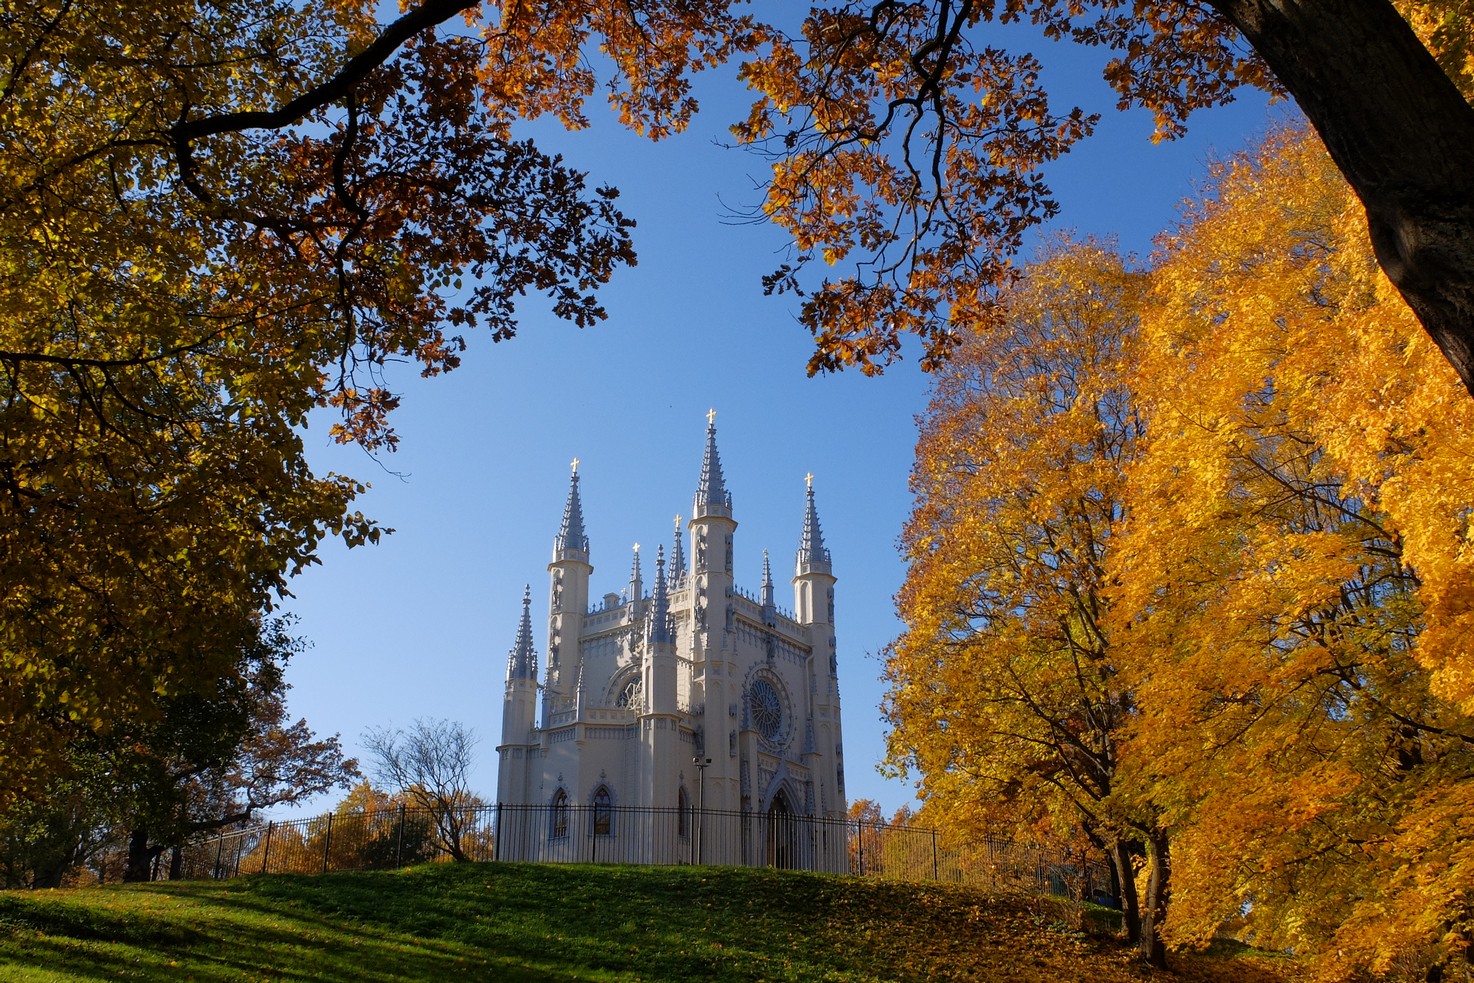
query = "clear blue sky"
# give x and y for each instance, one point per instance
(420, 625)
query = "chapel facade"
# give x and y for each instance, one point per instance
(681, 719)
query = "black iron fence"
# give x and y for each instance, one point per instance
(626, 834)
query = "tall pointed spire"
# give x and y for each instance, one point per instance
(770, 609)
(637, 580)
(522, 661)
(571, 538)
(712, 497)
(677, 557)
(812, 555)
(660, 626)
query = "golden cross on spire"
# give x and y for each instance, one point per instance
(711, 418)
(575, 465)
(678, 520)
(809, 480)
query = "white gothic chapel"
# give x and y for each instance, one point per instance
(686, 720)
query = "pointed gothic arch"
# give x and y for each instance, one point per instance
(782, 823)
(558, 815)
(603, 811)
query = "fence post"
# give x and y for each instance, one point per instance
(219, 872)
(934, 874)
(860, 847)
(399, 839)
(327, 843)
(266, 850)
(496, 835)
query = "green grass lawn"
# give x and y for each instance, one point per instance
(511, 922)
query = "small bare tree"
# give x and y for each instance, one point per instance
(429, 764)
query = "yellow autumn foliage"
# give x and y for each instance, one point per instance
(1295, 578)
(1281, 588)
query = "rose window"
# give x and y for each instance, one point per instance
(766, 708)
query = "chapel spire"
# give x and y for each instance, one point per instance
(813, 557)
(712, 497)
(770, 609)
(522, 661)
(660, 627)
(571, 543)
(677, 557)
(637, 579)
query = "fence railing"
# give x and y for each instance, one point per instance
(628, 834)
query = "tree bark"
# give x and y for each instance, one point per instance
(50, 873)
(1158, 890)
(1125, 877)
(1401, 133)
(140, 858)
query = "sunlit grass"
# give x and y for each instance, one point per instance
(517, 922)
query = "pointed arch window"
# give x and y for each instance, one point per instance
(603, 811)
(683, 813)
(558, 815)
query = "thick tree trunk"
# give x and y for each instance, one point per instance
(1400, 132)
(50, 873)
(140, 858)
(1125, 876)
(1154, 906)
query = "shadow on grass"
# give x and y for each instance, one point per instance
(518, 922)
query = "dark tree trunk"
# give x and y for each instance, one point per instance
(176, 863)
(1154, 906)
(50, 873)
(140, 857)
(1401, 133)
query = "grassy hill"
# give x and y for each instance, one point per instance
(511, 922)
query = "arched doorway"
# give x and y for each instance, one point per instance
(782, 833)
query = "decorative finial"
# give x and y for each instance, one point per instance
(809, 480)
(711, 418)
(575, 465)
(637, 547)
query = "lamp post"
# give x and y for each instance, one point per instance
(701, 764)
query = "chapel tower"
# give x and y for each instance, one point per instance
(712, 529)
